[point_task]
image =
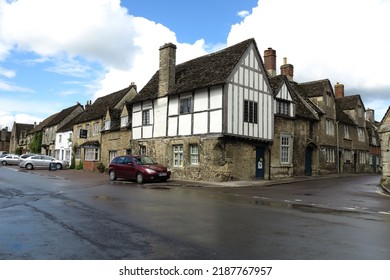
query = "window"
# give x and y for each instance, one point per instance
(282, 107)
(346, 131)
(59, 138)
(330, 155)
(362, 157)
(250, 111)
(96, 130)
(186, 105)
(361, 136)
(142, 150)
(77, 154)
(146, 117)
(178, 155)
(107, 125)
(124, 121)
(285, 149)
(194, 154)
(91, 154)
(347, 156)
(111, 155)
(329, 128)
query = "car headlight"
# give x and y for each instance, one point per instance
(150, 171)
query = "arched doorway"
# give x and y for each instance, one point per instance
(309, 158)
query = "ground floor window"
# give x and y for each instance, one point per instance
(142, 150)
(362, 157)
(91, 154)
(194, 154)
(111, 155)
(178, 155)
(330, 155)
(285, 147)
(78, 153)
(347, 156)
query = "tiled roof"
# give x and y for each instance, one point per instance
(341, 116)
(350, 102)
(315, 88)
(22, 127)
(204, 71)
(42, 124)
(99, 108)
(62, 115)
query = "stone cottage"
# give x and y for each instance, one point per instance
(384, 132)
(210, 118)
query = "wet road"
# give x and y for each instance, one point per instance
(45, 217)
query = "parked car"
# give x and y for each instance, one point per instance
(9, 159)
(42, 161)
(140, 168)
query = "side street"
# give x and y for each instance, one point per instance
(224, 117)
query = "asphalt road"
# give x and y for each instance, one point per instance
(57, 216)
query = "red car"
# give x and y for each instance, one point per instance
(140, 168)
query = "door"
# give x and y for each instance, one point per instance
(308, 161)
(260, 162)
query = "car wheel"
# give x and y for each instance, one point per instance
(59, 166)
(3, 162)
(140, 178)
(29, 166)
(112, 175)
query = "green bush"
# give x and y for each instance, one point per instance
(80, 166)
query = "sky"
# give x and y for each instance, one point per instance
(55, 53)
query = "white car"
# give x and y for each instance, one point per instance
(9, 159)
(42, 161)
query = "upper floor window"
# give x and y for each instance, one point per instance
(186, 105)
(282, 107)
(361, 135)
(107, 125)
(329, 127)
(124, 121)
(145, 117)
(95, 129)
(346, 132)
(250, 111)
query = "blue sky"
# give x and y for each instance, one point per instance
(54, 53)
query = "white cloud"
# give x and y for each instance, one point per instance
(345, 41)
(7, 73)
(7, 86)
(243, 14)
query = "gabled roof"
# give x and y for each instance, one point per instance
(60, 116)
(42, 124)
(350, 102)
(204, 71)
(341, 116)
(385, 125)
(18, 127)
(99, 108)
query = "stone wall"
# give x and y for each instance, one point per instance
(119, 141)
(220, 158)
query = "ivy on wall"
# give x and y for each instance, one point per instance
(36, 143)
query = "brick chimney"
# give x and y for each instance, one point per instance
(167, 68)
(339, 90)
(270, 61)
(287, 70)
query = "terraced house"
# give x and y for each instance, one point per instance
(209, 118)
(98, 119)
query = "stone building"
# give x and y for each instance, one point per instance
(88, 127)
(210, 118)
(5, 138)
(19, 138)
(384, 132)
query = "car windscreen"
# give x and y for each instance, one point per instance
(145, 160)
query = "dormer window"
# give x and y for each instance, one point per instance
(283, 107)
(124, 121)
(107, 125)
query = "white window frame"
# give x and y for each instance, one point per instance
(285, 149)
(91, 154)
(194, 154)
(178, 155)
(329, 127)
(346, 132)
(361, 136)
(107, 125)
(95, 130)
(146, 117)
(330, 155)
(124, 121)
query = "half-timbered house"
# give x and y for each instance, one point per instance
(210, 118)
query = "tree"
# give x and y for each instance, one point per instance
(36, 143)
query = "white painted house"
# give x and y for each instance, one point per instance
(208, 118)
